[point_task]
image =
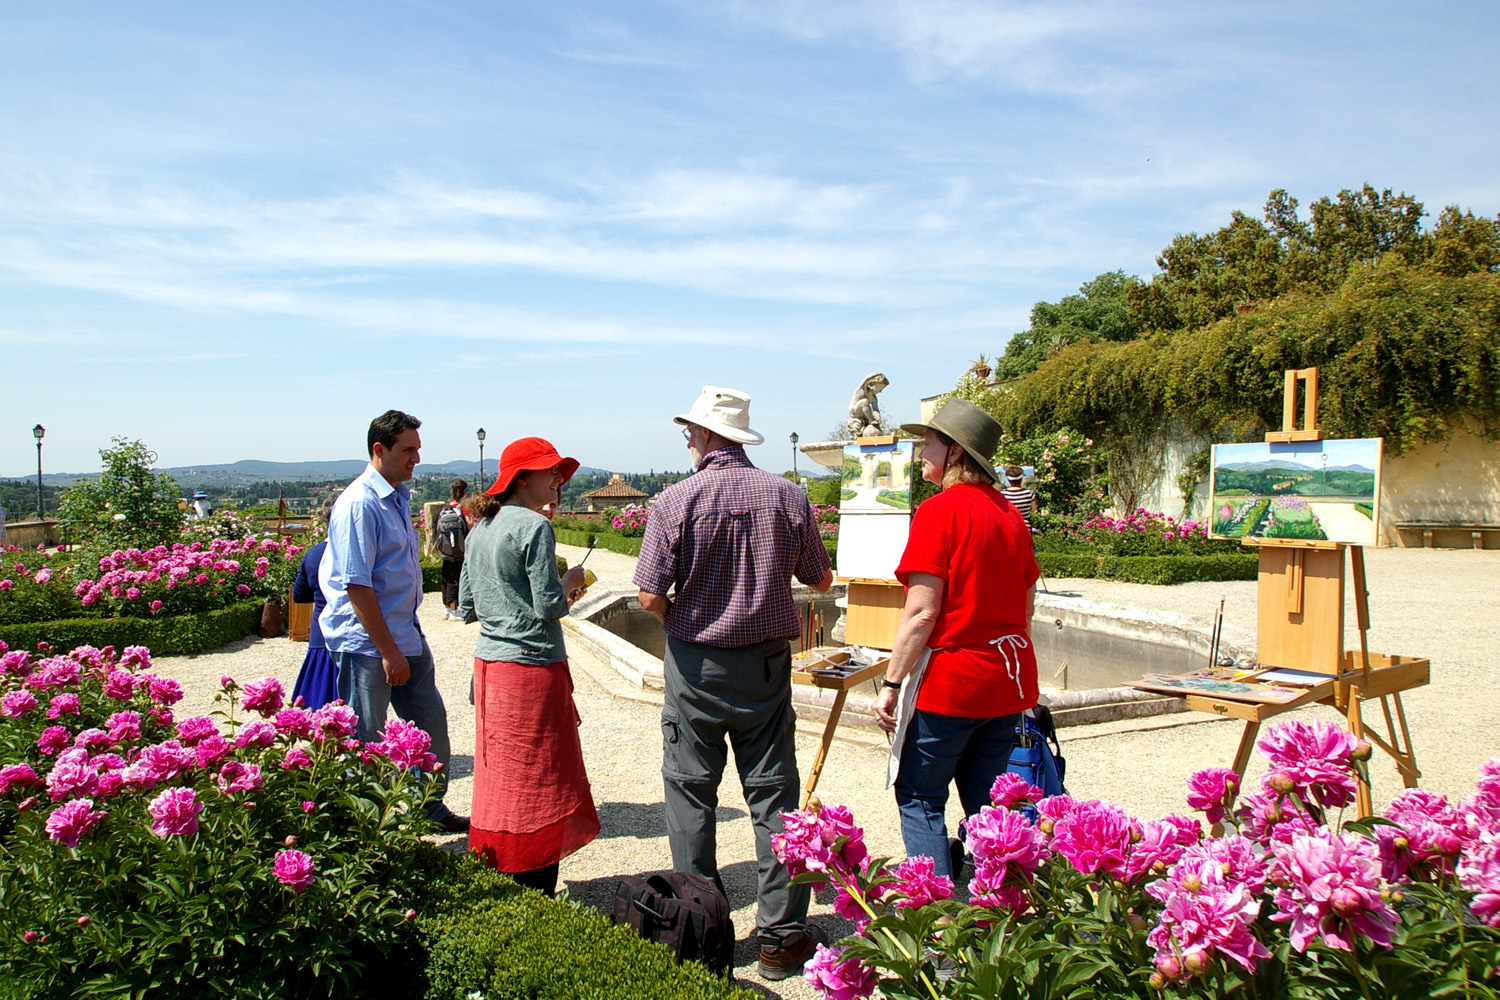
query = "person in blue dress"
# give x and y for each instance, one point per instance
(317, 681)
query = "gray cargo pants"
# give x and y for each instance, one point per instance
(743, 693)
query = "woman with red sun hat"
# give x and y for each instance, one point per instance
(532, 801)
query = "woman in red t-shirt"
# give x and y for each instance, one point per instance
(963, 668)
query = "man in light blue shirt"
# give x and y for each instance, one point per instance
(371, 574)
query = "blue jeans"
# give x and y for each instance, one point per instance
(940, 749)
(362, 687)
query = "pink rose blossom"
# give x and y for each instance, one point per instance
(71, 820)
(294, 869)
(175, 813)
(839, 978)
(265, 696)
(918, 883)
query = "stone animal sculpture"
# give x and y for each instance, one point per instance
(864, 408)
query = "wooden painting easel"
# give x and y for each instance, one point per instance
(1300, 626)
(803, 673)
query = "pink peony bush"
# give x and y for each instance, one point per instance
(1290, 899)
(141, 832)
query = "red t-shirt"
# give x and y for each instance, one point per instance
(977, 542)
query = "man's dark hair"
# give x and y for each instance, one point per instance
(387, 427)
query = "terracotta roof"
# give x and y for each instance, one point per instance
(617, 487)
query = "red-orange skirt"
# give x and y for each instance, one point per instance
(532, 801)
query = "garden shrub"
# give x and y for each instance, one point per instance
(602, 540)
(175, 635)
(487, 936)
(1160, 569)
(1091, 902)
(262, 853)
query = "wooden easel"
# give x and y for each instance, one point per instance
(1300, 626)
(804, 672)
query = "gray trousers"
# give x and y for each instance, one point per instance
(743, 694)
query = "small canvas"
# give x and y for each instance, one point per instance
(1309, 490)
(877, 478)
(870, 545)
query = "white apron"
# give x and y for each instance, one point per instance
(906, 703)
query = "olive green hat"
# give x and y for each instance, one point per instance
(973, 430)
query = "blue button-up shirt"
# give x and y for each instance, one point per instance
(371, 543)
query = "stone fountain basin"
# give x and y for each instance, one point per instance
(1086, 652)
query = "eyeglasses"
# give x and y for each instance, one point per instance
(687, 434)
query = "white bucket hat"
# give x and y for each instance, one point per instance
(726, 412)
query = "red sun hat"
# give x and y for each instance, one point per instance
(531, 454)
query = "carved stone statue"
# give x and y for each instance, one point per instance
(864, 408)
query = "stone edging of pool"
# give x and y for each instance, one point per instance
(1154, 641)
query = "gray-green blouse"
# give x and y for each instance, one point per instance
(509, 581)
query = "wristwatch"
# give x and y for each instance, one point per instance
(891, 684)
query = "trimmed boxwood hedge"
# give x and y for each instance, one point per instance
(484, 934)
(1150, 569)
(602, 540)
(176, 634)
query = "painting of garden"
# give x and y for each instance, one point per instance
(1312, 490)
(877, 479)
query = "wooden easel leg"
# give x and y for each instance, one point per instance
(1241, 761)
(1357, 728)
(817, 768)
(1406, 761)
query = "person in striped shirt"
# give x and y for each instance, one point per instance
(1018, 494)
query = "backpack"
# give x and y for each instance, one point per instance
(687, 913)
(451, 529)
(1037, 756)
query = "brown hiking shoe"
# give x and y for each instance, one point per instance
(787, 958)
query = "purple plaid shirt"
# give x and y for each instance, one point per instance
(731, 537)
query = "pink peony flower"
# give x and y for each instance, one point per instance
(17, 776)
(1005, 847)
(294, 869)
(1331, 890)
(1479, 872)
(1050, 811)
(838, 978)
(174, 813)
(71, 820)
(124, 727)
(211, 749)
(62, 704)
(119, 685)
(1095, 837)
(1162, 843)
(1317, 756)
(1203, 915)
(822, 841)
(406, 744)
(73, 776)
(308, 806)
(1012, 790)
(1212, 790)
(164, 690)
(1269, 817)
(294, 722)
(265, 696)
(44, 574)
(1239, 859)
(53, 739)
(918, 884)
(16, 704)
(158, 763)
(261, 734)
(295, 758)
(335, 720)
(236, 777)
(195, 728)
(156, 605)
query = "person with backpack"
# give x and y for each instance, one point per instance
(963, 668)
(452, 530)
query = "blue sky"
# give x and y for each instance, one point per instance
(241, 231)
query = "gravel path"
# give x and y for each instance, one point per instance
(1444, 604)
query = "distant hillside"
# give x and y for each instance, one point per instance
(247, 471)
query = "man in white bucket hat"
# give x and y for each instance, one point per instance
(726, 542)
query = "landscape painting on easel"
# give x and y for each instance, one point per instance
(877, 478)
(1309, 490)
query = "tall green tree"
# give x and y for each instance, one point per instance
(1099, 312)
(130, 505)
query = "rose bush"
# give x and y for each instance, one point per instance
(1289, 901)
(259, 851)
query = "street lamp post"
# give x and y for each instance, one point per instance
(37, 433)
(794, 456)
(480, 435)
